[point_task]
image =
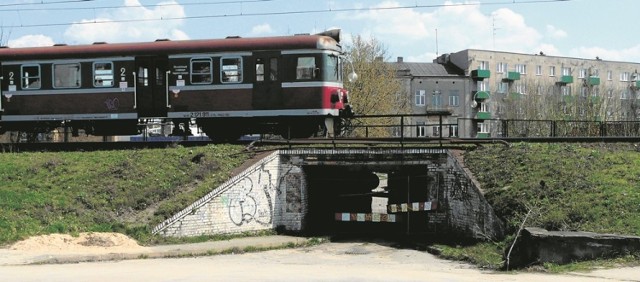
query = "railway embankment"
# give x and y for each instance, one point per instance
(557, 187)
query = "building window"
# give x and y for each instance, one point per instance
(502, 68)
(624, 94)
(609, 75)
(103, 74)
(453, 130)
(521, 88)
(66, 75)
(436, 130)
(482, 85)
(31, 77)
(484, 107)
(610, 93)
(538, 70)
(454, 98)
(201, 71)
(421, 129)
(552, 71)
(566, 71)
(484, 65)
(437, 99)
(584, 91)
(566, 90)
(420, 97)
(231, 70)
(521, 68)
(503, 87)
(583, 73)
(483, 128)
(625, 76)
(595, 92)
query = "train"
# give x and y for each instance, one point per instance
(229, 87)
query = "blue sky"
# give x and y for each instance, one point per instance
(575, 28)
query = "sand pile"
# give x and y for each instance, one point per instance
(111, 242)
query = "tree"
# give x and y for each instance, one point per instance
(376, 91)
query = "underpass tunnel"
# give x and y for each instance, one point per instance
(345, 199)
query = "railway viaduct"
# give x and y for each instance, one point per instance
(422, 192)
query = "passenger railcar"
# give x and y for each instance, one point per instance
(288, 85)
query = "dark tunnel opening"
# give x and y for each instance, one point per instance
(357, 200)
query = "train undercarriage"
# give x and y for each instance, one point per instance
(218, 130)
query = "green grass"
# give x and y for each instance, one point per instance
(121, 191)
(569, 187)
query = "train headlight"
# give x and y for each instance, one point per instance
(345, 97)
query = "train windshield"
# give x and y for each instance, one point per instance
(333, 68)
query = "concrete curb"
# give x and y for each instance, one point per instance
(239, 245)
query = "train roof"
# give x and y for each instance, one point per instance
(325, 41)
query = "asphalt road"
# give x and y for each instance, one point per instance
(336, 261)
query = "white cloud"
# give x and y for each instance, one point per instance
(261, 29)
(459, 25)
(116, 26)
(631, 54)
(35, 40)
(555, 33)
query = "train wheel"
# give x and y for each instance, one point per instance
(221, 134)
(296, 131)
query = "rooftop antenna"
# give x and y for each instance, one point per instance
(436, 42)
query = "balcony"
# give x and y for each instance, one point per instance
(565, 79)
(480, 74)
(515, 95)
(481, 95)
(483, 115)
(482, 135)
(512, 76)
(591, 81)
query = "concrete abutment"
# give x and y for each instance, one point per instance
(423, 192)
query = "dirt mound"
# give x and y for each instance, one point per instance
(84, 242)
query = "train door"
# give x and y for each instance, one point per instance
(151, 86)
(267, 87)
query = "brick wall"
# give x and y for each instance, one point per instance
(273, 194)
(266, 195)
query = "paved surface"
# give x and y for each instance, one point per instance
(334, 261)
(13, 257)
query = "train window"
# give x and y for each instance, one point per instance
(231, 71)
(103, 74)
(333, 68)
(306, 68)
(143, 76)
(273, 68)
(31, 77)
(201, 71)
(66, 75)
(259, 70)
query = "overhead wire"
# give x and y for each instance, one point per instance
(242, 14)
(201, 3)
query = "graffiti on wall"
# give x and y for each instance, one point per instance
(251, 199)
(293, 183)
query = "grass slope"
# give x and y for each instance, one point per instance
(569, 187)
(121, 191)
